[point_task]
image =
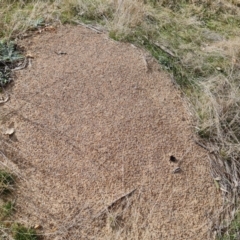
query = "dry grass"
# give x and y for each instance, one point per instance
(203, 39)
(19, 16)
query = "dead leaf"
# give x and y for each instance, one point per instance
(9, 131)
(216, 184)
(3, 100)
(50, 29)
(29, 55)
(37, 226)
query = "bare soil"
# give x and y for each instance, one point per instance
(93, 122)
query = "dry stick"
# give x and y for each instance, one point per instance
(163, 48)
(24, 65)
(118, 199)
(95, 29)
(203, 146)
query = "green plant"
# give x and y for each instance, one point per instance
(8, 56)
(21, 232)
(9, 53)
(5, 76)
(6, 182)
(36, 23)
(233, 231)
(7, 209)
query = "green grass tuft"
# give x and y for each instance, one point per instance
(7, 209)
(7, 181)
(20, 232)
(233, 231)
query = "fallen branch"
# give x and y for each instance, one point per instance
(116, 200)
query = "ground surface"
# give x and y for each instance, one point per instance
(91, 126)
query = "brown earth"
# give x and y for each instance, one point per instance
(92, 125)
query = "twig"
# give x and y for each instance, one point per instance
(89, 26)
(24, 65)
(177, 170)
(60, 53)
(203, 146)
(165, 49)
(116, 200)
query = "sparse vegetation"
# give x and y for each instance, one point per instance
(8, 57)
(233, 231)
(6, 182)
(196, 41)
(7, 209)
(114, 221)
(20, 232)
